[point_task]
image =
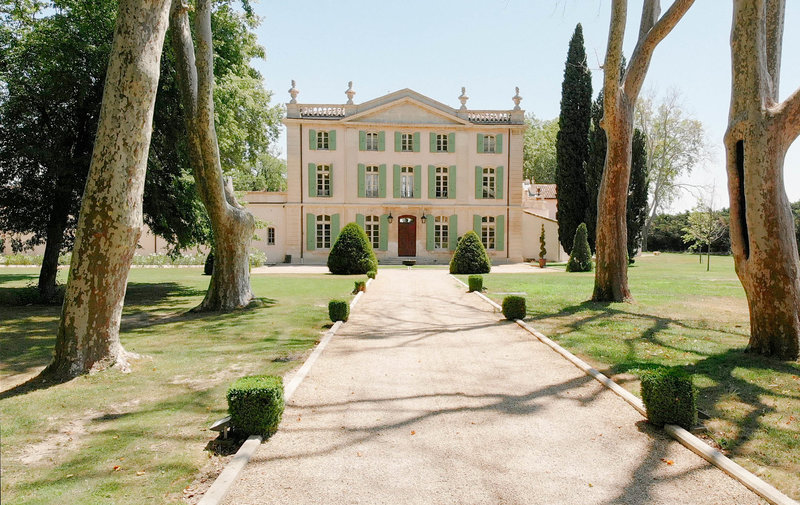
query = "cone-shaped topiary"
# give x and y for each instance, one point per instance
(208, 268)
(580, 260)
(470, 256)
(352, 253)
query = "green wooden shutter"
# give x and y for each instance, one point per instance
(452, 230)
(478, 182)
(416, 142)
(429, 245)
(360, 221)
(433, 143)
(384, 233)
(382, 181)
(480, 143)
(330, 179)
(418, 181)
(334, 228)
(451, 183)
(499, 143)
(362, 186)
(500, 233)
(312, 140)
(312, 179)
(476, 224)
(381, 141)
(332, 140)
(397, 137)
(396, 185)
(451, 142)
(362, 140)
(498, 180)
(311, 232)
(431, 181)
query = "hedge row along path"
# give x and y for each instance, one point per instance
(426, 396)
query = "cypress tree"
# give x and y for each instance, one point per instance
(572, 142)
(636, 212)
(594, 167)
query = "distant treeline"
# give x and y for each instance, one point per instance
(667, 231)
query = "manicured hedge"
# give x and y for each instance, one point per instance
(514, 307)
(470, 256)
(352, 252)
(372, 274)
(670, 397)
(359, 286)
(255, 404)
(475, 283)
(338, 310)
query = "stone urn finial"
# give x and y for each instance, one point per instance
(293, 92)
(350, 93)
(463, 98)
(517, 99)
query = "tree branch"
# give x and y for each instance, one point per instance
(640, 60)
(184, 56)
(774, 16)
(611, 70)
(787, 114)
(650, 12)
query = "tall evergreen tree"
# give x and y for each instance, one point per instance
(572, 142)
(636, 212)
(594, 167)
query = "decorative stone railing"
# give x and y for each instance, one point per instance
(322, 111)
(489, 116)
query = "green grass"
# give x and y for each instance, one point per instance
(141, 437)
(681, 316)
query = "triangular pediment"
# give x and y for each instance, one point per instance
(405, 107)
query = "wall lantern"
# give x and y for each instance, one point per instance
(390, 218)
(424, 218)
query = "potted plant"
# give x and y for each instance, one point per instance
(542, 250)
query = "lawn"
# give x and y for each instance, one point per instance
(142, 437)
(682, 316)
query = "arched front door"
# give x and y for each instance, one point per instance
(407, 236)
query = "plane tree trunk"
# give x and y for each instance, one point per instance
(110, 220)
(231, 225)
(760, 131)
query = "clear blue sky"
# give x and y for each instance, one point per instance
(435, 47)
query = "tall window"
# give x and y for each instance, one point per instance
(489, 144)
(270, 236)
(488, 232)
(441, 142)
(489, 182)
(407, 182)
(441, 232)
(441, 182)
(323, 231)
(372, 225)
(323, 140)
(407, 142)
(323, 180)
(371, 181)
(372, 141)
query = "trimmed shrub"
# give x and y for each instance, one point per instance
(352, 252)
(257, 258)
(514, 307)
(669, 397)
(255, 404)
(580, 259)
(208, 269)
(475, 283)
(542, 248)
(338, 310)
(359, 286)
(470, 256)
(372, 274)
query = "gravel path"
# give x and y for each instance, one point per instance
(425, 396)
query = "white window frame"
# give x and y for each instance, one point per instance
(407, 142)
(323, 235)
(323, 140)
(407, 182)
(371, 141)
(271, 235)
(371, 181)
(442, 140)
(324, 180)
(441, 180)
(489, 143)
(489, 232)
(489, 182)
(441, 232)
(372, 226)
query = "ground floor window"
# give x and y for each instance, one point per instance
(270, 236)
(441, 232)
(488, 232)
(372, 225)
(323, 231)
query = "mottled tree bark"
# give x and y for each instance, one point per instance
(619, 97)
(110, 221)
(760, 130)
(232, 226)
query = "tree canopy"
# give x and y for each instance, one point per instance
(539, 150)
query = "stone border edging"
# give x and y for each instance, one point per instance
(222, 484)
(694, 444)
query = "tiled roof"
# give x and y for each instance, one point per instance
(545, 191)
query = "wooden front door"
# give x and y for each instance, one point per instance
(407, 236)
